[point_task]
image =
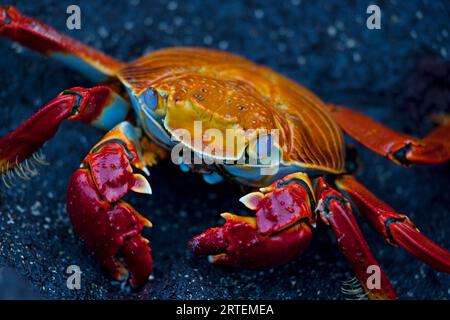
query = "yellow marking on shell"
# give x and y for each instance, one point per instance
(241, 94)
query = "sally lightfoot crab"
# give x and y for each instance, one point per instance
(143, 104)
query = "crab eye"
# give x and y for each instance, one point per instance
(262, 151)
(150, 99)
(263, 146)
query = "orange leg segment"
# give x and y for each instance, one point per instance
(44, 39)
(396, 228)
(397, 147)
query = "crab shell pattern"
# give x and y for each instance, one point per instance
(224, 91)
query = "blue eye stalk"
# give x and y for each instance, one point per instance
(150, 100)
(262, 151)
(264, 146)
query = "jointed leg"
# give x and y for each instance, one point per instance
(399, 148)
(282, 229)
(98, 106)
(336, 212)
(44, 39)
(108, 225)
(396, 228)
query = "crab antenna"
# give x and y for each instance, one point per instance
(38, 36)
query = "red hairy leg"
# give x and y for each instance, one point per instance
(280, 231)
(109, 226)
(98, 106)
(396, 228)
(336, 212)
(46, 40)
(397, 147)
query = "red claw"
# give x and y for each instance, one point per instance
(110, 227)
(239, 244)
(212, 241)
(279, 232)
(136, 253)
(111, 172)
(282, 207)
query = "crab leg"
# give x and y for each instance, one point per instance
(109, 226)
(44, 39)
(98, 106)
(397, 147)
(396, 228)
(336, 212)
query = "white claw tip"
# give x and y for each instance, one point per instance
(251, 200)
(141, 185)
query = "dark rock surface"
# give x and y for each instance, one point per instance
(324, 45)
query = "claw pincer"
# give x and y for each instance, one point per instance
(280, 231)
(109, 226)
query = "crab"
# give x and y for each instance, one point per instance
(141, 106)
